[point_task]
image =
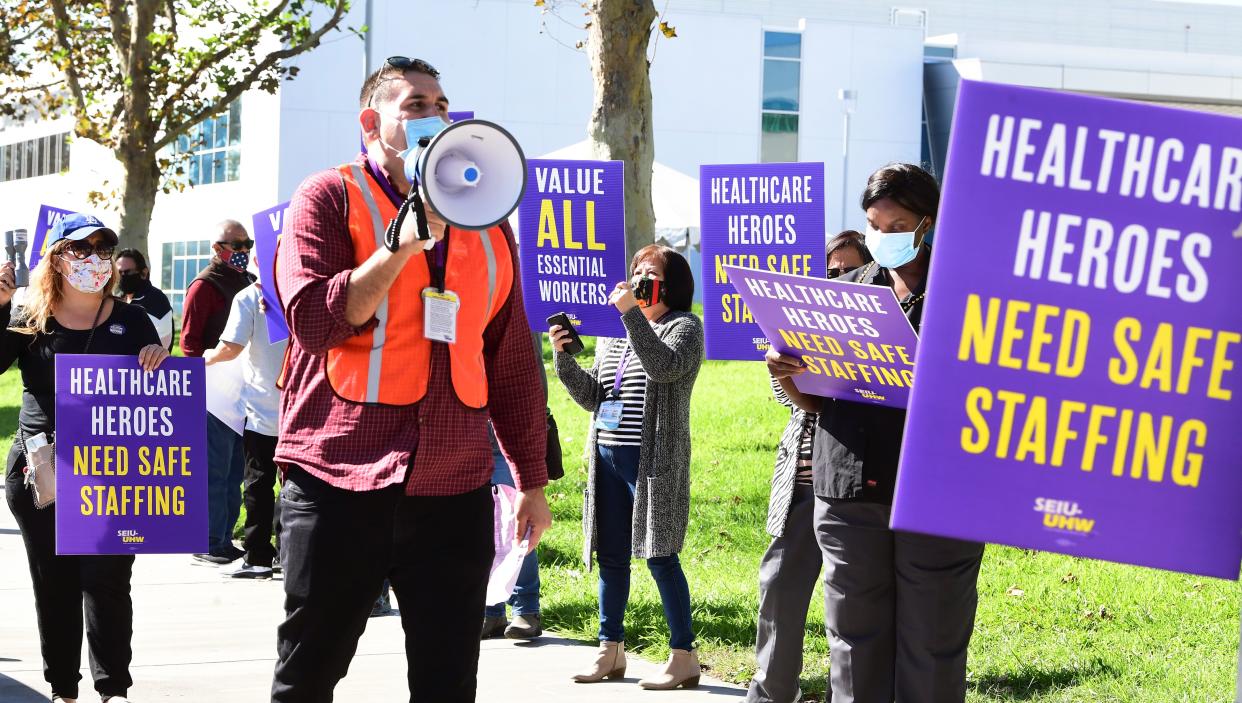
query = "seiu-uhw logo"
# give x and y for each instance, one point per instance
(1063, 515)
(869, 394)
(130, 536)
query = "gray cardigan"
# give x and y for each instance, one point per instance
(671, 352)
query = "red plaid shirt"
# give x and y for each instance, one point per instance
(442, 442)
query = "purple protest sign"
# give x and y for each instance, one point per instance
(48, 217)
(572, 223)
(1081, 345)
(267, 227)
(131, 456)
(854, 338)
(459, 116)
(759, 216)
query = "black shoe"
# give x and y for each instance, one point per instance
(214, 558)
(494, 626)
(524, 627)
(383, 606)
(233, 551)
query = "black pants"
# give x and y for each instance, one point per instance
(340, 545)
(259, 495)
(65, 586)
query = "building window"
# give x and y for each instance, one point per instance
(41, 156)
(782, 78)
(214, 148)
(181, 263)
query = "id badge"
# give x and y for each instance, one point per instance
(609, 415)
(440, 315)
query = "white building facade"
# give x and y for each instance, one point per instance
(744, 81)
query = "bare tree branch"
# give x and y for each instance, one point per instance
(70, 68)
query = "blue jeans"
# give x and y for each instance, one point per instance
(525, 598)
(226, 469)
(616, 471)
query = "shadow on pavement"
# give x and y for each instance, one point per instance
(12, 691)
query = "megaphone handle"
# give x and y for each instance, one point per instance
(392, 237)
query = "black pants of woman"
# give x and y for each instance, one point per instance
(68, 587)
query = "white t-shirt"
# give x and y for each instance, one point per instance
(248, 327)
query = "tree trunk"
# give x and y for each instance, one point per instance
(142, 180)
(620, 126)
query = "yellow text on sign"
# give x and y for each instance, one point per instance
(550, 236)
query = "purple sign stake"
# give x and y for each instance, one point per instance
(131, 456)
(268, 225)
(572, 223)
(854, 338)
(1081, 348)
(759, 216)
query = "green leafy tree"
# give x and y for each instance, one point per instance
(138, 74)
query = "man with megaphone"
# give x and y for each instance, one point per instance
(399, 280)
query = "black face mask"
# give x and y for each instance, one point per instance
(131, 282)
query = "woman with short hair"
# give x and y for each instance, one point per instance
(900, 606)
(69, 309)
(637, 501)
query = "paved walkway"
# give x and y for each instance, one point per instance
(198, 637)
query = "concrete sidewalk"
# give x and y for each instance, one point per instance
(199, 637)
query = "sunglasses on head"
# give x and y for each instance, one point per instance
(243, 245)
(83, 249)
(839, 272)
(405, 63)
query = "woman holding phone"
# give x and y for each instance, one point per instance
(900, 606)
(68, 309)
(637, 501)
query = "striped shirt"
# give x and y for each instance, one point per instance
(806, 438)
(633, 396)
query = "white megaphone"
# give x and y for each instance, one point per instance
(472, 173)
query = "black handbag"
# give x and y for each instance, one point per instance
(556, 467)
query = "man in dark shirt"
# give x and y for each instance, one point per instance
(135, 287)
(206, 310)
(383, 444)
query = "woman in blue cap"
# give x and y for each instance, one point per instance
(68, 309)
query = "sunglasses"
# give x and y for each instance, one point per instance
(83, 249)
(837, 273)
(406, 63)
(243, 245)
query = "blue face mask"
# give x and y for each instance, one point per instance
(415, 130)
(892, 249)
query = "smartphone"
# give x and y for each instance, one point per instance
(575, 342)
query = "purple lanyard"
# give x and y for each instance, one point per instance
(383, 182)
(621, 366)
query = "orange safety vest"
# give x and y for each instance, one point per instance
(391, 363)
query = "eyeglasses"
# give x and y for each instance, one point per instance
(83, 249)
(243, 245)
(837, 273)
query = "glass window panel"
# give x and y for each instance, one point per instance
(166, 274)
(178, 248)
(192, 168)
(179, 274)
(235, 123)
(64, 152)
(779, 141)
(218, 165)
(221, 132)
(207, 131)
(183, 143)
(234, 164)
(36, 167)
(783, 44)
(780, 85)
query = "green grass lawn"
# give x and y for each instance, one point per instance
(1050, 628)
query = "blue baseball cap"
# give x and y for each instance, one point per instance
(76, 227)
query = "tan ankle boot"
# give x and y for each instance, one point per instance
(681, 671)
(609, 664)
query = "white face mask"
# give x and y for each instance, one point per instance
(892, 249)
(89, 275)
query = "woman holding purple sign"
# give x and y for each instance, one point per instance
(900, 606)
(68, 309)
(637, 501)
